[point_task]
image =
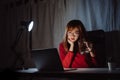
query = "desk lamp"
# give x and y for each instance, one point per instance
(27, 25)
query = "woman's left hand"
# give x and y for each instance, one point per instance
(89, 49)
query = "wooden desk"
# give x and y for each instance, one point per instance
(79, 73)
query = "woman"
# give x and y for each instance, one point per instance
(75, 50)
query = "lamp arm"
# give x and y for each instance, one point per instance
(18, 36)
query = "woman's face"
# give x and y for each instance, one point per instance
(73, 35)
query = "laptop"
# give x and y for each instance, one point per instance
(47, 59)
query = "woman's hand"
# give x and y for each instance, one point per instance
(71, 45)
(70, 42)
(89, 49)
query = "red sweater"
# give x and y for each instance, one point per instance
(80, 60)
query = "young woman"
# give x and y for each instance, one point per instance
(75, 50)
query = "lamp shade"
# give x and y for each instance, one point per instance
(28, 24)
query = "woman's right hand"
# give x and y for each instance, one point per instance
(71, 45)
(70, 42)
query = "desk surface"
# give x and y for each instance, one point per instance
(74, 72)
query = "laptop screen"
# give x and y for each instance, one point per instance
(47, 59)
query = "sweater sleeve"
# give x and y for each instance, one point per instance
(65, 57)
(91, 60)
(94, 61)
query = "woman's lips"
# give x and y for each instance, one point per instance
(72, 39)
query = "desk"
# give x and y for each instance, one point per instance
(79, 73)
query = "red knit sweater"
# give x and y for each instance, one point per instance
(80, 60)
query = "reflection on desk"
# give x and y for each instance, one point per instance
(91, 73)
(92, 70)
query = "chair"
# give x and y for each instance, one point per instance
(97, 37)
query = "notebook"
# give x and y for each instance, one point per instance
(47, 59)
